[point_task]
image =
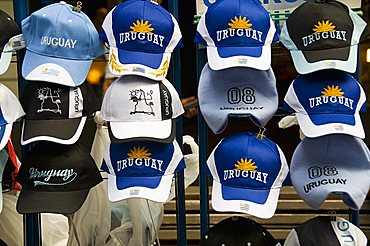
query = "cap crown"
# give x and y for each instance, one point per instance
(135, 98)
(8, 29)
(141, 25)
(58, 31)
(43, 101)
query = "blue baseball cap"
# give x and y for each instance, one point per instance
(10, 111)
(247, 173)
(237, 34)
(236, 91)
(334, 163)
(142, 169)
(141, 36)
(61, 45)
(327, 102)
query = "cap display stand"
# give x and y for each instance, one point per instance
(32, 222)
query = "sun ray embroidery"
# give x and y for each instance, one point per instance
(141, 26)
(245, 164)
(333, 91)
(324, 26)
(139, 152)
(240, 23)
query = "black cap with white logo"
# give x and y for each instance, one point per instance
(56, 113)
(56, 179)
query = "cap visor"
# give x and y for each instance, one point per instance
(339, 58)
(64, 131)
(151, 65)
(325, 124)
(258, 57)
(155, 188)
(66, 202)
(245, 200)
(5, 131)
(55, 70)
(159, 131)
(5, 58)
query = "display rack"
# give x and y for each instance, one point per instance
(32, 222)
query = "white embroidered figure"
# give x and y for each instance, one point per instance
(45, 94)
(143, 104)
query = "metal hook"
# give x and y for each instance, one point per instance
(78, 7)
(261, 132)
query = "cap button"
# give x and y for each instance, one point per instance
(62, 2)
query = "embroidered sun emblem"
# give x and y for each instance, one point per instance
(139, 152)
(332, 91)
(245, 164)
(141, 26)
(324, 26)
(240, 23)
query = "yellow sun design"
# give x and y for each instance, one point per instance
(324, 26)
(141, 26)
(245, 164)
(139, 152)
(332, 91)
(240, 23)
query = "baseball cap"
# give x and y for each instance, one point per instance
(61, 45)
(237, 34)
(142, 169)
(141, 36)
(236, 231)
(10, 111)
(56, 112)
(247, 173)
(331, 164)
(323, 35)
(324, 230)
(10, 40)
(56, 178)
(236, 91)
(327, 102)
(3, 160)
(138, 108)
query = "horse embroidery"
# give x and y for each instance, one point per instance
(142, 100)
(46, 94)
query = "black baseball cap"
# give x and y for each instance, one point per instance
(324, 35)
(55, 112)
(56, 178)
(8, 29)
(236, 231)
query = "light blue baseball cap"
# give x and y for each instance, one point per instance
(61, 44)
(335, 163)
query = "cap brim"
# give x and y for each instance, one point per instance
(325, 60)
(155, 188)
(64, 131)
(159, 131)
(258, 57)
(5, 131)
(5, 58)
(66, 202)
(312, 130)
(151, 65)
(245, 200)
(55, 70)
